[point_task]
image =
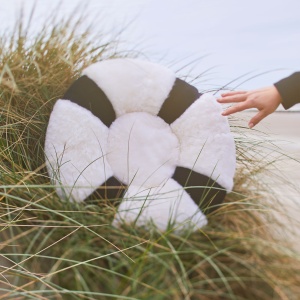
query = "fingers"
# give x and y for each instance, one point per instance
(232, 93)
(240, 107)
(236, 108)
(232, 97)
(257, 118)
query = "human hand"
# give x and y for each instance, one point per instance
(266, 100)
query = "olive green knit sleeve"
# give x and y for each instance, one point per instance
(289, 90)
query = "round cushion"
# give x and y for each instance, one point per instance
(129, 129)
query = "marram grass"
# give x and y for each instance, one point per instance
(57, 250)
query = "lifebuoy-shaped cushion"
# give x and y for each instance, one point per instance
(132, 123)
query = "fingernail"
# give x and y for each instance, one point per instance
(251, 125)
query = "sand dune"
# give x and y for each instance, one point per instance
(283, 129)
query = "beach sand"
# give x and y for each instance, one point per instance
(283, 129)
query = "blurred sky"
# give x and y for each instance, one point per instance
(236, 37)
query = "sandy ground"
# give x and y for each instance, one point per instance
(283, 129)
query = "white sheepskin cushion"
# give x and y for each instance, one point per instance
(169, 199)
(142, 149)
(206, 141)
(76, 151)
(132, 85)
(131, 130)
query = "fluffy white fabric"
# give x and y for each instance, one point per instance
(132, 85)
(142, 149)
(165, 205)
(75, 148)
(139, 148)
(206, 144)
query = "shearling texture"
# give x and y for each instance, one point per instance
(75, 148)
(132, 85)
(165, 205)
(139, 149)
(142, 149)
(206, 143)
